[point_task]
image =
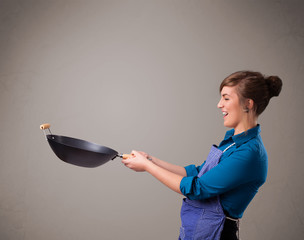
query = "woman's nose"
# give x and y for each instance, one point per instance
(220, 104)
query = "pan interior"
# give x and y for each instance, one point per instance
(81, 144)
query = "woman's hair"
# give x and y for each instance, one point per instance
(255, 86)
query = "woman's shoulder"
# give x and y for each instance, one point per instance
(254, 149)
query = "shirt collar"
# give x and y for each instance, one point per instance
(244, 136)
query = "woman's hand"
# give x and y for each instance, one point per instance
(138, 162)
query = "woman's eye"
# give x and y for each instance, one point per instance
(226, 99)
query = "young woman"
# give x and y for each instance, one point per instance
(218, 192)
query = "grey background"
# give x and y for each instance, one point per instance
(140, 75)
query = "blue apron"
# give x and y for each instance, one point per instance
(203, 219)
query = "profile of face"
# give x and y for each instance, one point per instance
(233, 112)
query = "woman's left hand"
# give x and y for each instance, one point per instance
(138, 162)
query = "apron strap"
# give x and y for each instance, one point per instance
(229, 147)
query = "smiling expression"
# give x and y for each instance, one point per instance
(233, 111)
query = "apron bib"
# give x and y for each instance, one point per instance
(203, 219)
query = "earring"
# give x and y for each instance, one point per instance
(246, 110)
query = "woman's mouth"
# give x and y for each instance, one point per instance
(225, 114)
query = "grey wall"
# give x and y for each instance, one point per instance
(139, 75)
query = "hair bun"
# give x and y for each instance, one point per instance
(274, 85)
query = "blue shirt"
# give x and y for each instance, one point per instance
(241, 171)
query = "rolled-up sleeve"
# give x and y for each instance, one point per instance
(187, 185)
(191, 170)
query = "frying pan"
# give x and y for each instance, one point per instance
(79, 152)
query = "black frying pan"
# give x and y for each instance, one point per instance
(79, 152)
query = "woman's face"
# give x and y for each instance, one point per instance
(233, 112)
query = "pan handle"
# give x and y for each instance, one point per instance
(45, 126)
(125, 156)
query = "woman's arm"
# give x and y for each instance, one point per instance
(244, 166)
(168, 166)
(140, 163)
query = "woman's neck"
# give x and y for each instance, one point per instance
(245, 126)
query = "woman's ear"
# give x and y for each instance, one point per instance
(249, 104)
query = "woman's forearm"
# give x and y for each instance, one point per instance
(170, 167)
(167, 177)
(170, 177)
